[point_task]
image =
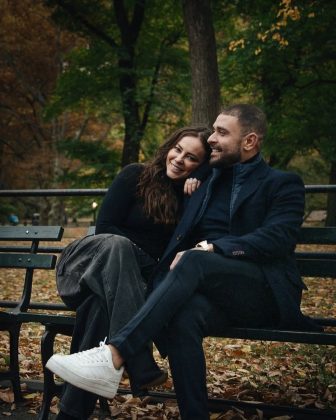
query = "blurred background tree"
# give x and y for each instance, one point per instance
(88, 86)
(286, 52)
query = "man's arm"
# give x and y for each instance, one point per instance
(277, 235)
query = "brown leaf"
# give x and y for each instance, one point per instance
(281, 418)
(7, 396)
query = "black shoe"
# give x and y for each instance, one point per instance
(64, 416)
(144, 373)
(159, 379)
(142, 390)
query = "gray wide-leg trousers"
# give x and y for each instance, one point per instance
(109, 266)
(103, 277)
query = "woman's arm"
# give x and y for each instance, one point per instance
(118, 199)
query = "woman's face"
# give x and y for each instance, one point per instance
(187, 154)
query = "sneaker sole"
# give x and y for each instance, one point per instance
(100, 387)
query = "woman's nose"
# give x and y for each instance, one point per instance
(179, 158)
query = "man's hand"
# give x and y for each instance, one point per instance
(191, 185)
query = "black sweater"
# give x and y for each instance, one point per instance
(122, 213)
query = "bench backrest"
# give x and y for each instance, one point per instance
(27, 257)
(317, 263)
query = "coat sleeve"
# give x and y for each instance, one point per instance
(276, 236)
(118, 200)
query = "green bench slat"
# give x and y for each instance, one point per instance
(318, 235)
(46, 318)
(23, 248)
(317, 268)
(322, 256)
(27, 261)
(35, 305)
(28, 233)
(308, 337)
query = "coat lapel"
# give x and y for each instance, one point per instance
(189, 217)
(250, 185)
(196, 202)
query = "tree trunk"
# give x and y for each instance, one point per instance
(129, 27)
(133, 132)
(331, 201)
(203, 61)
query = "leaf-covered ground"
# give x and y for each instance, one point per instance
(279, 373)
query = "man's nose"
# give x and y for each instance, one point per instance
(211, 139)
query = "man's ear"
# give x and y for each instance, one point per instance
(251, 141)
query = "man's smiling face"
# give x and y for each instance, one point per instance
(226, 141)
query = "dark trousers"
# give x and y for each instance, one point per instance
(103, 277)
(204, 294)
(90, 328)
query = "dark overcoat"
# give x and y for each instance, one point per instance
(267, 207)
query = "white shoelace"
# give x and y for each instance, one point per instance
(97, 354)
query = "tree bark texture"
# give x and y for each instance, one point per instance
(129, 28)
(203, 61)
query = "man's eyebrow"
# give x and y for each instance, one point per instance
(219, 128)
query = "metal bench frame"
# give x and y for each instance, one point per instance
(320, 264)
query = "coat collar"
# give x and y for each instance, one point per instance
(247, 176)
(246, 180)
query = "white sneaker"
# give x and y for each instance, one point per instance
(91, 370)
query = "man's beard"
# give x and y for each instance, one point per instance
(226, 160)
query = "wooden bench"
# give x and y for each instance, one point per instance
(29, 257)
(318, 263)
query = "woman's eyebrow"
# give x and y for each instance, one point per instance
(188, 153)
(193, 155)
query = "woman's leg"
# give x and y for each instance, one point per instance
(90, 328)
(116, 289)
(115, 276)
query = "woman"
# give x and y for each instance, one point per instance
(104, 277)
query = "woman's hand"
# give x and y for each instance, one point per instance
(176, 259)
(191, 185)
(196, 248)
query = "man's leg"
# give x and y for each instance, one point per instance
(249, 304)
(198, 271)
(186, 357)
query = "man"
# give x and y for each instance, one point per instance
(240, 230)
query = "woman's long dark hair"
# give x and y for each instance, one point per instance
(156, 189)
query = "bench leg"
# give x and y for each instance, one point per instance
(50, 387)
(13, 373)
(14, 335)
